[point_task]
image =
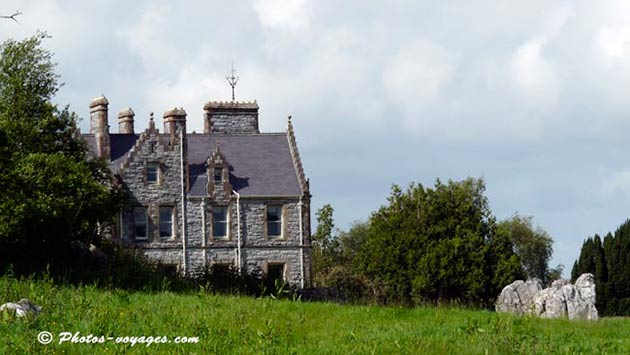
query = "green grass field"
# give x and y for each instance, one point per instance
(228, 324)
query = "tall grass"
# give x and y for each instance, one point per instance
(237, 324)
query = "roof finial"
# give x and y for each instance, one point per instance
(289, 124)
(151, 122)
(232, 79)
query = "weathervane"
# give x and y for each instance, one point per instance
(232, 79)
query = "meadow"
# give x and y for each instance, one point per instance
(247, 325)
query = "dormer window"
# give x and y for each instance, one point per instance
(152, 173)
(218, 174)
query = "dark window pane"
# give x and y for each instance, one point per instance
(274, 221)
(274, 213)
(166, 222)
(218, 174)
(219, 229)
(219, 221)
(152, 172)
(140, 222)
(219, 214)
(273, 229)
(141, 232)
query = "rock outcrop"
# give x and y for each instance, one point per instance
(558, 301)
(518, 297)
(23, 308)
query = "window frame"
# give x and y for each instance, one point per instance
(226, 222)
(157, 173)
(172, 222)
(220, 175)
(279, 222)
(136, 224)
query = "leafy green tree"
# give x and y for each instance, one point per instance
(349, 283)
(350, 242)
(441, 243)
(325, 246)
(555, 273)
(53, 190)
(531, 243)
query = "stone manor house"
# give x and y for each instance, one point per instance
(230, 195)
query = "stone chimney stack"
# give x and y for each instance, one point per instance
(231, 117)
(99, 126)
(125, 121)
(174, 120)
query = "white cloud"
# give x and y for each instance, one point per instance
(290, 15)
(146, 40)
(613, 37)
(615, 183)
(611, 53)
(190, 90)
(414, 76)
(557, 19)
(533, 75)
(614, 44)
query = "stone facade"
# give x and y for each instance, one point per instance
(255, 180)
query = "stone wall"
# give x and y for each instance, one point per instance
(257, 251)
(151, 148)
(231, 117)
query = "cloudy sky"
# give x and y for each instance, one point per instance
(532, 96)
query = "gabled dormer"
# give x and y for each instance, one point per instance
(218, 172)
(148, 149)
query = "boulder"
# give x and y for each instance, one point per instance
(22, 308)
(558, 301)
(557, 284)
(518, 297)
(585, 285)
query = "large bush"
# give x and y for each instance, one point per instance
(53, 191)
(438, 244)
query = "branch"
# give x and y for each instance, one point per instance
(13, 16)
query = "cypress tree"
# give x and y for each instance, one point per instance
(609, 262)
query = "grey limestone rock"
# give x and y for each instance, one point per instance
(22, 308)
(518, 297)
(558, 301)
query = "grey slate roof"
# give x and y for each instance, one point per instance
(120, 145)
(260, 164)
